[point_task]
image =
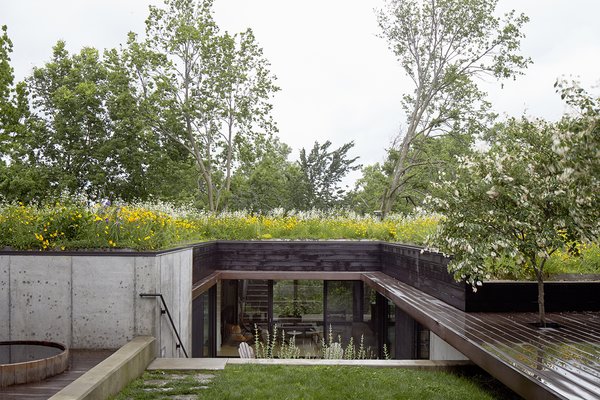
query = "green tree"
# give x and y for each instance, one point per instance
(87, 135)
(368, 190)
(68, 94)
(13, 99)
(204, 91)
(444, 46)
(322, 171)
(20, 176)
(148, 166)
(266, 179)
(511, 206)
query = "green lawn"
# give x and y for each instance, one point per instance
(320, 382)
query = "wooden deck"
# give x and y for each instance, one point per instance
(536, 363)
(81, 362)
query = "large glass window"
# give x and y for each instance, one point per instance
(339, 310)
(349, 315)
(206, 324)
(298, 311)
(203, 321)
(307, 310)
(232, 330)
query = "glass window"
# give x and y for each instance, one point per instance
(390, 326)
(298, 311)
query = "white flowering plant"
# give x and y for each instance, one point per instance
(518, 202)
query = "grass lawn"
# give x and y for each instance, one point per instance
(318, 382)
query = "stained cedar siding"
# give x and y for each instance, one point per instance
(299, 255)
(423, 270)
(204, 260)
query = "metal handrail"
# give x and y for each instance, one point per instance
(162, 311)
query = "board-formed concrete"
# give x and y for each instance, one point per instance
(93, 301)
(173, 273)
(185, 303)
(169, 274)
(5, 296)
(146, 281)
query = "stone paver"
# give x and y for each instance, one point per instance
(159, 385)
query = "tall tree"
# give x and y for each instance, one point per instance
(368, 190)
(21, 177)
(444, 46)
(88, 136)
(14, 107)
(204, 91)
(265, 179)
(322, 171)
(68, 94)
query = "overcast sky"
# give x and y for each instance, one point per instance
(339, 80)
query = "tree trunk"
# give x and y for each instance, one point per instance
(541, 305)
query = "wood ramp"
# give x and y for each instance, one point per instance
(562, 363)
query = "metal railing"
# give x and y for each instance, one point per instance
(164, 309)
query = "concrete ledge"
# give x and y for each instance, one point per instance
(411, 364)
(112, 374)
(188, 364)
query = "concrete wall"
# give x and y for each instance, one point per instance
(92, 301)
(440, 350)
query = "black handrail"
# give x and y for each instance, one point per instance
(177, 345)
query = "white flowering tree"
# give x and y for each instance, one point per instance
(577, 142)
(515, 204)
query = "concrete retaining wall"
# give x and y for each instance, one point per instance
(113, 374)
(92, 301)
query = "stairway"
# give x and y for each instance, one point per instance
(255, 303)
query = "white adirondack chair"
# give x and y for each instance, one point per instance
(245, 350)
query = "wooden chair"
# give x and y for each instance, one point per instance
(245, 350)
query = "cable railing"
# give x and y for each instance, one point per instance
(164, 309)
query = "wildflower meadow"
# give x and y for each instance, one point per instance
(77, 225)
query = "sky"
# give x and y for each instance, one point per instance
(339, 80)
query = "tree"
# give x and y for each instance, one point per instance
(20, 178)
(444, 46)
(203, 91)
(14, 107)
(322, 171)
(87, 135)
(512, 206)
(68, 95)
(576, 140)
(368, 190)
(265, 180)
